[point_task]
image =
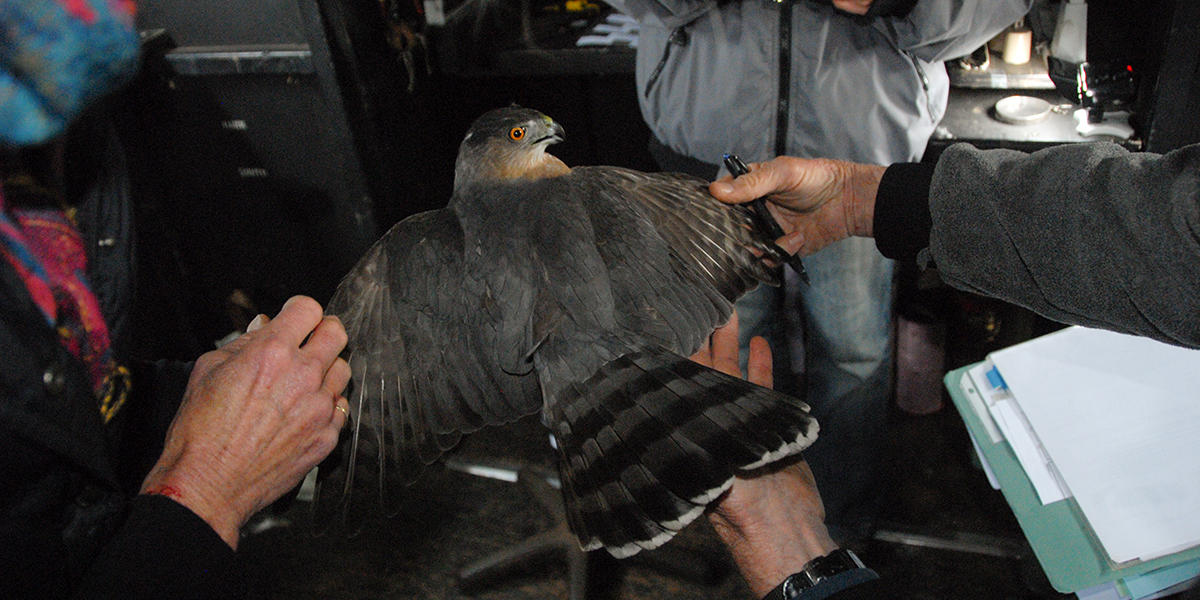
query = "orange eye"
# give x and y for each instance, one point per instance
(517, 133)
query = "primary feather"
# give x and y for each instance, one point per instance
(578, 293)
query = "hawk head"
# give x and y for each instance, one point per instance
(508, 143)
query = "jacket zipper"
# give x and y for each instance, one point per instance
(785, 76)
(924, 80)
(678, 37)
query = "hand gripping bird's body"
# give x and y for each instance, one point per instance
(577, 293)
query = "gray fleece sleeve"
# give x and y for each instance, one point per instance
(1088, 234)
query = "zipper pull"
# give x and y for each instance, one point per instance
(678, 37)
(920, 71)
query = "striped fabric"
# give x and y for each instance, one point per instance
(47, 252)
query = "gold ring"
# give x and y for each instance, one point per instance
(345, 411)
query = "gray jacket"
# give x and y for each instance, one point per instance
(1088, 234)
(863, 89)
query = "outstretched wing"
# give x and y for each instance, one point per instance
(706, 255)
(647, 438)
(418, 327)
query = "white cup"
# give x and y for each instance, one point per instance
(1017, 47)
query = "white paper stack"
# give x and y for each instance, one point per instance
(1114, 421)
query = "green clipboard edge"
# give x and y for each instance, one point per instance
(1059, 538)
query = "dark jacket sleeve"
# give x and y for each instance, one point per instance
(1087, 234)
(161, 549)
(68, 528)
(164, 551)
(155, 395)
(901, 222)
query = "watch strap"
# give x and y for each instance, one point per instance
(823, 577)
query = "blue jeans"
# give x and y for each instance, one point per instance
(833, 348)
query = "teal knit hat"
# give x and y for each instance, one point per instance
(56, 56)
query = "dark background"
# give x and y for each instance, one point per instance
(268, 144)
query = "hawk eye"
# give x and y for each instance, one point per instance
(517, 133)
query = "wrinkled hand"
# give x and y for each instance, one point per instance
(721, 353)
(816, 201)
(257, 415)
(772, 520)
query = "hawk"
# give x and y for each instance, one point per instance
(577, 293)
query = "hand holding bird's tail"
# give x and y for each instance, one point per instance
(652, 439)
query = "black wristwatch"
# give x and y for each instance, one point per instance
(823, 576)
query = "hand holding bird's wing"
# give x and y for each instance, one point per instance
(819, 201)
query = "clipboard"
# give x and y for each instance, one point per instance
(1068, 553)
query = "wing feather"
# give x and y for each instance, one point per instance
(419, 366)
(673, 250)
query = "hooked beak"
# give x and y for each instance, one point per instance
(557, 134)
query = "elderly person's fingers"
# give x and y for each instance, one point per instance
(816, 201)
(257, 323)
(257, 415)
(724, 348)
(763, 179)
(297, 319)
(795, 185)
(327, 339)
(341, 413)
(336, 379)
(758, 364)
(720, 352)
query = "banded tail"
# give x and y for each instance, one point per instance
(652, 438)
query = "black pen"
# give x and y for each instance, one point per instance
(763, 220)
